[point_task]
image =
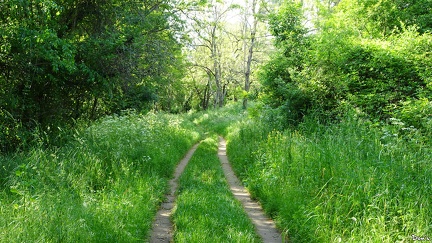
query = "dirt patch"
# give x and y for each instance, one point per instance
(265, 227)
(162, 229)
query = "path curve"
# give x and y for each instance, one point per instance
(265, 227)
(162, 228)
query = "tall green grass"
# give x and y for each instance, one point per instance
(347, 182)
(219, 120)
(103, 186)
(206, 210)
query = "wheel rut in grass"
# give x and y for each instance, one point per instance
(265, 227)
(162, 228)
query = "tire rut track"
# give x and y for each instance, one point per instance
(162, 228)
(264, 226)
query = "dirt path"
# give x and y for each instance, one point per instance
(162, 229)
(265, 227)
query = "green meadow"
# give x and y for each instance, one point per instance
(343, 182)
(105, 185)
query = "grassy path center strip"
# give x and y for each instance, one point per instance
(265, 226)
(206, 210)
(162, 229)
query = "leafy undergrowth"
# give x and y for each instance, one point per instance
(206, 210)
(348, 182)
(104, 186)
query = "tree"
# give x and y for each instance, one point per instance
(355, 56)
(225, 37)
(63, 60)
(249, 47)
(207, 20)
(381, 18)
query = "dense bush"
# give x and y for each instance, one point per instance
(340, 63)
(61, 61)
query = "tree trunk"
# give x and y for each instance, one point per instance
(216, 56)
(250, 53)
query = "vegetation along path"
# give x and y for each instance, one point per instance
(163, 228)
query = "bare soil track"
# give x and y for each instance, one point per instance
(264, 226)
(162, 229)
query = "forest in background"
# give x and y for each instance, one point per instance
(65, 62)
(69, 62)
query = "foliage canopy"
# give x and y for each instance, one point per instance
(373, 56)
(63, 60)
